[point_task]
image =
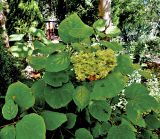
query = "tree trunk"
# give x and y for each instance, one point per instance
(4, 34)
(105, 11)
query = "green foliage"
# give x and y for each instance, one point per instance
(10, 110)
(9, 71)
(53, 120)
(102, 89)
(83, 133)
(121, 132)
(25, 13)
(38, 91)
(59, 97)
(81, 97)
(25, 130)
(8, 132)
(125, 65)
(72, 108)
(70, 26)
(57, 62)
(21, 94)
(100, 110)
(71, 120)
(56, 79)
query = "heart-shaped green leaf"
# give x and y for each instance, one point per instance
(10, 109)
(56, 79)
(59, 97)
(100, 110)
(8, 132)
(81, 97)
(21, 94)
(72, 29)
(53, 120)
(31, 126)
(57, 62)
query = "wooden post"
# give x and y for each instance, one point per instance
(104, 8)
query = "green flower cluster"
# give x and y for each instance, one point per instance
(93, 64)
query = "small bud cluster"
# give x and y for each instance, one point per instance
(95, 65)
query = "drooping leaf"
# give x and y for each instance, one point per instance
(57, 62)
(125, 65)
(112, 31)
(152, 121)
(31, 126)
(9, 110)
(99, 25)
(81, 97)
(8, 132)
(53, 120)
(71, 120)
(37, 62)
(21, 94)
(16, 37)
(100, 110)
(72, 29)
(38, 91)
(59, 97)
(37, 44)
(128, 123)
(83, 133)
(113, 45)
(56, 79)
(108, 88)
(135, 116)
(101, 129)
(121, 132)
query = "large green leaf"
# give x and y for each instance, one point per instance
(121, 132)
(31, 126)
(139, 101)
(53, 120)
(71, 120)
(57, 62)
(48, 48)
(81, 97)
(38, 91)
(83, 133)
(125, 65)
(113, 45)
(100, 110)
(138, 96)
(56, 79)
(72, 29)
(21, 94)
(8, 132)
(37, 62)
(108, 88)
(59, 97)
(10, 109)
